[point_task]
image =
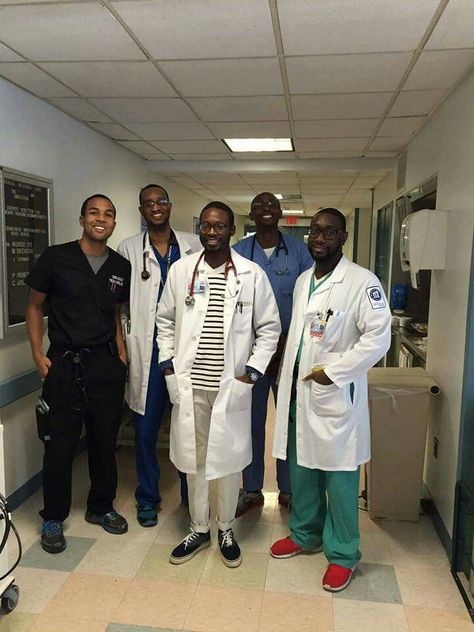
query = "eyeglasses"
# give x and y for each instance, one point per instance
(328, 233)
(152, 203)
(274, 205)
(219, 227)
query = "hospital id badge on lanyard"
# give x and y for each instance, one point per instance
(317, 328)
(199, 286)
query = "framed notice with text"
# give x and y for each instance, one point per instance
(25, 203)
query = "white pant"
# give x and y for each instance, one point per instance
(198, 486)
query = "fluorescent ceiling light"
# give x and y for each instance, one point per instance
(258, 144)
(279, 196)
(298, 212)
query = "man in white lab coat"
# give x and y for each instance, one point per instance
(340, 328)
(151, 254)
(218, 328)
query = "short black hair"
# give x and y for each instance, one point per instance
(222, 207)
(335, 213)
(265, 193)
(91, 197)
(152, 186)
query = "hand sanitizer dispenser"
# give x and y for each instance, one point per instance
(423, 242)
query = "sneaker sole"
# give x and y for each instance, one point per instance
(295, 553)
(186, 558)
(147, 523)
(53, 550)
(329, 588)
(105, 527)
(232, 563)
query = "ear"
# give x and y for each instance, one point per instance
(344, 238)
(251, 215)
(232, 231)
(81, 220)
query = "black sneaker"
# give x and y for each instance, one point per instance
(52, 538)
(111, 522)
(230, 550)
(192, 544)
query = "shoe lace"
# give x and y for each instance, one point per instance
(52, 527)
(112, 515)
(227, 538)
(190, 538)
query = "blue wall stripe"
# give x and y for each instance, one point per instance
(19, 386)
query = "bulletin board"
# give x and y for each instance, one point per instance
(25, 223)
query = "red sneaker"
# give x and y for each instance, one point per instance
(337, 577)
(285, 548)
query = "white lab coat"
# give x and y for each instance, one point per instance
(251, 332)
(139, 322)
(333, 431)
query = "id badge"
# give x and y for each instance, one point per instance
(317, 329)
(199, 286)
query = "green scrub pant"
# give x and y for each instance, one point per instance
(324, 507)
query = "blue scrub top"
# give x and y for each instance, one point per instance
(282, 280)
(163, 263)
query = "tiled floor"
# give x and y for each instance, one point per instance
(105, 583)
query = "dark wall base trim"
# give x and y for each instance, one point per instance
(30, 487)
(432, 511)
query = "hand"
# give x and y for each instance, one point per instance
(43, 364)
(318, 376)
(123, 355)
(168, 372)
(244, 378)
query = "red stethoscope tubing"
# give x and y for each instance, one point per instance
(229, 265)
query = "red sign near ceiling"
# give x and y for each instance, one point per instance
(292, 220)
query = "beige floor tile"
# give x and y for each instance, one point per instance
(428, 586)
(17, 621)
(156, 566)
(121, 556)
(224, 610)
(283, 612)
(253, 536)
(156, 604)
(88, 596)
(173, 527)
(301, 574)
(375, 548)
(414, 543)
(434, 620)
(37, 587)
(367, 616)
(250, 574)
(54, 623)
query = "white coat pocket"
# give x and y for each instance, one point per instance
(328, 401)
(172, 386)
(240, 397)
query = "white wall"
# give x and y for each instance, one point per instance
(39, 139)
(446, 146)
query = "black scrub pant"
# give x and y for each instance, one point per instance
(95, 400)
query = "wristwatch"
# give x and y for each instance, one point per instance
(252, 375)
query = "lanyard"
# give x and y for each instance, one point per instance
(229, 265)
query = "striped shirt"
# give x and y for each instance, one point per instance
(209, 361)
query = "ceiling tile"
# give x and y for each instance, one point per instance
(191, 147)
(334, 128)
(33, 79)
(331, 144)
(225, 77)
(340, 106)
(112, 79)
(346, 73)
(202, 28)
(186, 181)
(381, 154)
(8, 55)
(416, 102)
(146, 110)
(455, 27)
(114, 130)
(439, 68)
(200, 156)
(170, 131)
(81, 109)
(401, 125)
(57, 32)
(354, 153)
(155, 156)
(389, 143)
(262, 129)
(139, 146)
(265, 155)
(326, 27)
(240, 109)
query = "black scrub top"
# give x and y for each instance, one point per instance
(80, 304)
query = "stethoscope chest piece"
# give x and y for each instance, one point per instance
(145, 275)
(189, 301)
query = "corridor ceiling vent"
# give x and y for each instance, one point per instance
(237, 145)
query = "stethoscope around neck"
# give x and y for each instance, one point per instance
(189, 301)
(280, 246)
(146, 274)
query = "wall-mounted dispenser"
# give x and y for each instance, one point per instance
(423, 242)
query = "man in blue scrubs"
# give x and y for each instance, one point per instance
(283, 258)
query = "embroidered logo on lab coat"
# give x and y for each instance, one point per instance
(115, 281)
(376, 297)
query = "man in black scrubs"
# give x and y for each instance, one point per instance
(82, 283)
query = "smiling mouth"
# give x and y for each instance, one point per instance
(101, 229)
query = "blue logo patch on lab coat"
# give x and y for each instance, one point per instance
(376, 297)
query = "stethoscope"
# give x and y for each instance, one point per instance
(146, 274)
(189, 301)
(281, 246)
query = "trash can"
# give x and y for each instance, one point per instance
(400, 402)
